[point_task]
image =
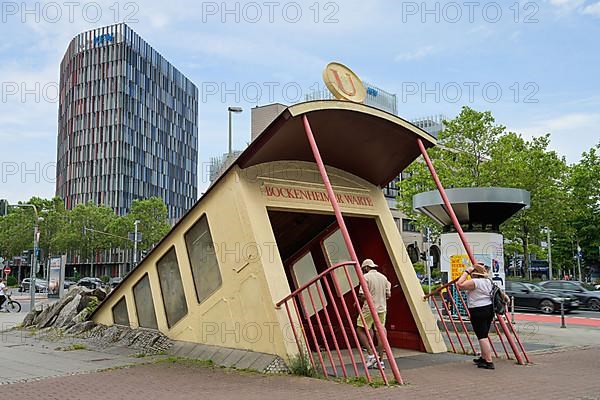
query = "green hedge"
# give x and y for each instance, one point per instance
(11, 281)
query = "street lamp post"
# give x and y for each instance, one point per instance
(232, 110)
(135, 241)
(427, 262)
(579, 260)
(549, 255)
(36, 243)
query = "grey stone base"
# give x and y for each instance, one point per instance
(230, 358)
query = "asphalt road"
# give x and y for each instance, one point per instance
(24, 299)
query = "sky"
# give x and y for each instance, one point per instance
(533, 64)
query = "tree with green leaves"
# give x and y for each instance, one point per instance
(73, 236)
(529, 164)
(154, 222)
(16, 231)
(464, 146)
(474, 151)
(584, 187)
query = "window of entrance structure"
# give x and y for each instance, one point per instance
(336, 251)
(304, 270)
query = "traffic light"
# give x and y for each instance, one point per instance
(3, 207)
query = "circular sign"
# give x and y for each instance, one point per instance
(343, 83)
(7, 270)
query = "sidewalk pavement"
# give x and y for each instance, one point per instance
(10, 320)
(565, 366)
(24, 356)
(558, 375)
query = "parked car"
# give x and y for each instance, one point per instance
(67, 284)
(434, 281)
(589, 298)
(40, 285)
(530, 296)
(90, 282)
(113, 282)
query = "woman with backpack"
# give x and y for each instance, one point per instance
(479, 295)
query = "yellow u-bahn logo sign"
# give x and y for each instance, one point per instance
(343, 83)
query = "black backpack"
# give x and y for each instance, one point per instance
(498, 299)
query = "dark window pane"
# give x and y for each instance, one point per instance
(142, 294)
(119, 311)
(201, 252)
(408, 225)
(171, 287)
(413, 253)
(570, 286)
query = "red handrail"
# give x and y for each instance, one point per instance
(438, 290)
(313, 280)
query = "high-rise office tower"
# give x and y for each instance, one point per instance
(127, 124)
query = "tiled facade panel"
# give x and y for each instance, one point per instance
(127, 124)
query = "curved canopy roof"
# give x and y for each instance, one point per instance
(485, 205)
(356, 138)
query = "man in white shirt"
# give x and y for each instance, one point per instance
(380, 289)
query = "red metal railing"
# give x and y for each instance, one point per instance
(309, 342)
(506, 328)
(450, 315)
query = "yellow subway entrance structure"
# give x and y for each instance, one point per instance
(267, 259)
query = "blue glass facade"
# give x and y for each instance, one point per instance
(127, 124)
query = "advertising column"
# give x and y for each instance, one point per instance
(487, 248)
(56, 277)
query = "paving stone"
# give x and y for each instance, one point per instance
(183, 349)
(221, 355)
(247, 360)
(209, 352)
(262, 362)
(196, 352)
(233, 358)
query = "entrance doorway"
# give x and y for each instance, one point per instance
(310, 243)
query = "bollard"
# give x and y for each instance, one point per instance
(512, 309)
(562, 314)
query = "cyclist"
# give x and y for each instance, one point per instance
(2, 294)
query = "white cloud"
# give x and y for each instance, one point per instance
(568, 4)
(592, 9)
(415, 55)
(571, 134)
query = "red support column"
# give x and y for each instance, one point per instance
(342, 225)
(462, 236)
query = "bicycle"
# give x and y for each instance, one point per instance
(10, 305)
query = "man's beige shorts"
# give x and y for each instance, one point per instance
(369, 319)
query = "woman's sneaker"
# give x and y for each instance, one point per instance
(486, 365)
(478, 361)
